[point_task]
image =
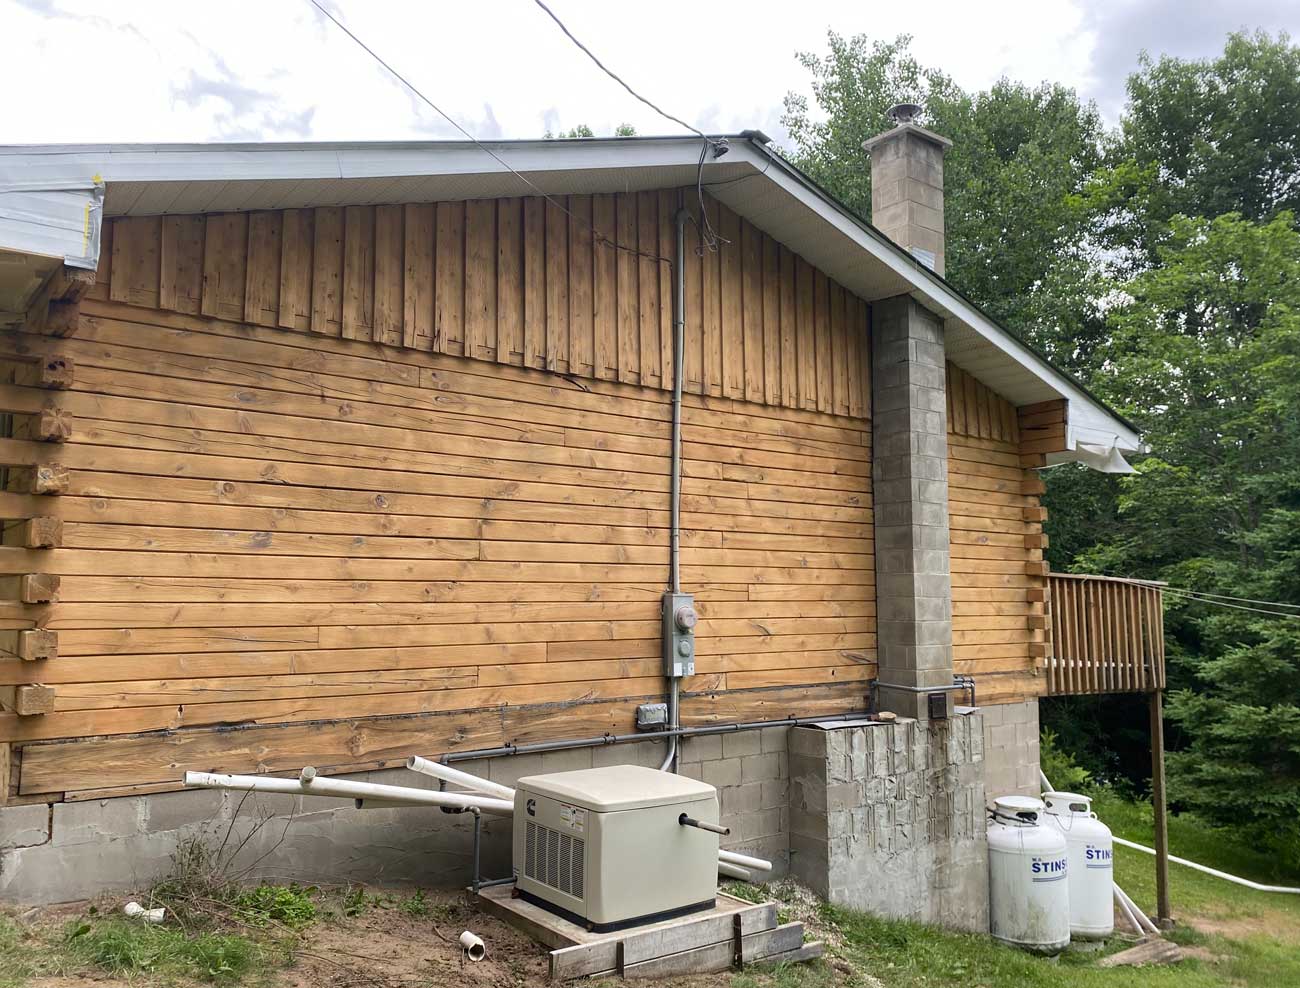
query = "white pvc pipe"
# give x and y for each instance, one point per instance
(309, 784)
(744, 861)
(1122, 901)
(731, 871)
(448, 774)
(1284, 889)
(1142, 917)
(472, 946)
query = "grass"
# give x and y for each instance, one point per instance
(127, 947)
(1248, 939)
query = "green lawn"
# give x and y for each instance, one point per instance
(1239, 938)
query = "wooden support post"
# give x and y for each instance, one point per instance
(38, 643)
(53, 425)
(1163, 917)
(27, 700)
(47, 478)
(53, 373)
(38, 588)
(42, 532)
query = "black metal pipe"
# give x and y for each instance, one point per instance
(540, 747)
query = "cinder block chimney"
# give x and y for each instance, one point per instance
(907, 185)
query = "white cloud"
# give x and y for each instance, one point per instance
(156, 70)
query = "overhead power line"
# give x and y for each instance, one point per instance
(710, 239)
(617, 78)
(597, 236)
(1220, 600)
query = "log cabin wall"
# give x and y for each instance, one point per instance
(325, 504)
(999, 578)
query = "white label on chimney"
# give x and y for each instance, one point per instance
(926, 257)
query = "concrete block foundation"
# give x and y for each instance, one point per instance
(889, 818)
(1011, 749)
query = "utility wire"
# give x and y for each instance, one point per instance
(1243, 600)
(1223, 603)
(597, 236)
(710, 240)
(617, 78)
(1197, 597)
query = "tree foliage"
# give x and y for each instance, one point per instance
(1014, 179)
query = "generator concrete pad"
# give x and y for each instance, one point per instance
(733, 931)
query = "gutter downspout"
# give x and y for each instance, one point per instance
(675, 456)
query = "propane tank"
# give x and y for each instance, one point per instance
(1089, 850)
(1029, 899)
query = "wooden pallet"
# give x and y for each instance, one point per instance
(734, 933)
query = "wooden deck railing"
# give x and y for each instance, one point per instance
(1107, 635)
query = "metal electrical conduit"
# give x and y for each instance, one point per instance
(675, 454)
(541, 747)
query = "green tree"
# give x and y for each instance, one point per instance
(582, 130)
(1017, 214)
(1205, 355)
(1207, 138)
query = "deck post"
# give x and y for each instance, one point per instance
(1163, 917)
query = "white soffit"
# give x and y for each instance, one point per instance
(155, 179)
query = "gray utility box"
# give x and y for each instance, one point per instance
(604, 847)
(679, 619)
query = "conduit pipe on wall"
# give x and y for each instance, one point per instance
(448, 774)
(675, 455)
(308, 784)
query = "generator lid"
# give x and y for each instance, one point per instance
(617, 787)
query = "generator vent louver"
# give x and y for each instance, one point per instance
(554, 859)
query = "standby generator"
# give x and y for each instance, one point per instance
(613, 847)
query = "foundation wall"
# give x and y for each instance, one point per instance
(889, 818)
(58, 852)
(1011, 749)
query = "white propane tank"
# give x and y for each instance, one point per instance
(1090, 852)
(1029, 898)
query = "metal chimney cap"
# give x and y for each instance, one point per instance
(904, 113)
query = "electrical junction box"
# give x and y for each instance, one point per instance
(604, 848)
(679, 619)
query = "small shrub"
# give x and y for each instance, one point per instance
(416, 905)
(289, 905)
(1065, 774)
(356, 902)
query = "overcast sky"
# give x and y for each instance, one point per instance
(238, 70)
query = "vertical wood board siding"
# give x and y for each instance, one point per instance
(580, 286)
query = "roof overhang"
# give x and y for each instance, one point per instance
(56, 190)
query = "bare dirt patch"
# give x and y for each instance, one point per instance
(386, 947)
(1275, 923)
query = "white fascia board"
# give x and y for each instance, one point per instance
(61, 223)
(936, 296)
(234, 163)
